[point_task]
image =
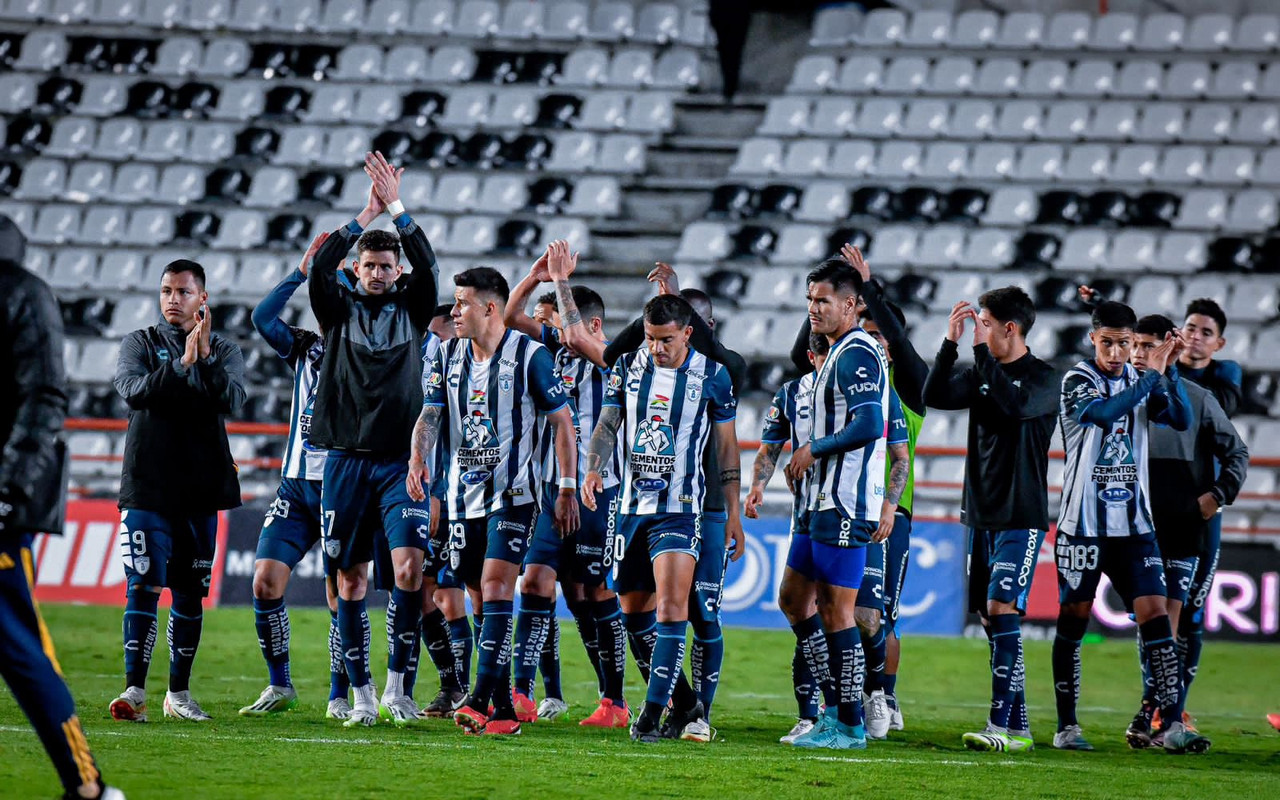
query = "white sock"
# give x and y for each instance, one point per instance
(364, 695)
(395, 685)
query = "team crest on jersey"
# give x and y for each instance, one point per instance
(434, 379)
(332, 547)
(141, 564)
(1115, 459)
(773, 414)
(505, 381)
(695, 391)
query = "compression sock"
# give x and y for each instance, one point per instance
(186, 621)
(271, 619)
(140, 630)
(1067, 668)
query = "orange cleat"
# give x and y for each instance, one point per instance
(1188, 722)
(502, 727)
(1274, 719)
(608, 715)
(470, 719)
(526, 709)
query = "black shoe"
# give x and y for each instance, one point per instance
(1138, 734)
(678, 718)
(644, 731)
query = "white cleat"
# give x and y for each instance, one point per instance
(130, 706)
(698, 731)
(111, 793)
(338, 709)
(801, 727)
(273, 700)
(1071, 738)
(180, 705)
(365, 716)
(895, 714)
(551, 707)
(399, 711)
(877, 714)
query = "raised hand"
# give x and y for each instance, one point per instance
(191, 352)
(981, 332)
(538, 270)
(305, 266)
(386, 178)
(666, 278)
(1087, 294)
(853, 257)
(561, 262)
(1161, 356)
(205, 325)
(955, 324)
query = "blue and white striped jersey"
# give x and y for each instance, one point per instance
(667, 417)
(790, 418)
(301, 460)
(430, 349)
(492, 410)
(584, 384)
(855, 374)
(1105, 490)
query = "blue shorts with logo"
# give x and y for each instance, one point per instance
(169, 551)
(708, 574)
(1205, 570)
(1133, 563)
(578, 557)
(1179, 575)
(292, 525)
(502, 535)
(360, 491)
(1002, 565)
(815, 554)
(897, 555)
(640, 539)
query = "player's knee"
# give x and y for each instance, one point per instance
(540, 582)
(496, 589)
(598, 594)
(188, 605)
(408, 575)
(673, 609)
(868, 620)
(352, 584)
(1074, 611)
(268, 583)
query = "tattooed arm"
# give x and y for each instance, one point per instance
(899, 468)
(766, 463)
(729, 456)
(603, 440)
(425, 433)
(576, 331)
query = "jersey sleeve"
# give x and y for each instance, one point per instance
(545, 388)
(550, 339)
(721, 404)
(1078, 393)
(898, 432)
(859, 375)
(777, 426)
(433, 393)
(613, 385)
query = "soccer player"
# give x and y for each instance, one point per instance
(845, 494)
(1192, 474)
(292, 524)
(578, 560)
(1105, 523)
(1012, 398)
(544, 308)
(663, 399)
(33, 405)
(181, 381)
(484, 395)
(367, 399)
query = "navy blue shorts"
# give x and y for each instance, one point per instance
(1002, 565)
(1206, 569)
(1179, 574)
(642, 538)
(161, 550)
(1133, 564)
(578, 557)
(502, 535)
(871, 592)
(818, 560)
(835, 529)
(359, 491)
(292, 525)
(897, 555)
(708, 574)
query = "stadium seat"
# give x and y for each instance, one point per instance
(1046, 77)
(928, 29)
(1134, 163)
(758, 157)
(1083, 249)
(944, 161)
(972, 119)
(704, 242)
(1208, 123)
(56, 224)
(925, 119)
(71, 137)
(800, 244)
(1021, 30)
(73, 268)
(905, 75)
(359, 62)
(42, 179)
(630, 69)
(341, 16)
(241, 230)
(1155, 209)
(650, 113)
(835, 25)
(824, 201)
(879, 118)
(514, 108)
(950, 75)
(1253, 211)
(1018, 120)
(452, 64)
(388, 16)
(1230, 165)
(858, 75)
(212, 143)
(406, 63)
(566, 21)
(966, 205)
(604, 111)
(1068, 30)
(585, 66)
(1114, 31)
(992, 161)
(940, 246)
(42, 51)
(1181, 252)
(1139, 78)
(1161, 32)
(897, 159)
(1257, 123)
(882, 27)
(1186, 80)
(814, 73)
(1257, 32)
(1253, 299)
(612, 22)
(98, 361)
(272, 187)
(658, 23)
(998, 77)
(91, 181)
(975, 29)
(122, 269)
(894, 245)
(239, 101)
(1161, 122)
(466, 108)
(1234, 80)
(1066, 120)
(1208, 33)
(1087, 163)
(1268, 170)
(988, 249)
(595, 197)
(1039, 162)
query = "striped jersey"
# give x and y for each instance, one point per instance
(667, 417)
(1105, 490)
(302, 460)
(790, 418)
(584, 385)
(491, 418)
(854, 375)
(430, 349)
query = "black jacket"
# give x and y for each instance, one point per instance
(370, 390)
(33, 405)
(176, 457)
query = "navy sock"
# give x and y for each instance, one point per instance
(1066, 667)
(353, 632)
(533, 625)
(1005, 633)
(1148, 683)
(611, 636)
(705, 662)
(1018, 718)
(1191, 632)
(668, 659)
(435, 633)
(411, 668)
(642, 634)
(366, 639)
(874, 648)
(461, 642)
(494, 657)
(847, 665)
(271, 619)
(889, 682)
(339, 684)
(140, 629)
(186, 620)
(549, 662)
(585, 618)
(404, 619)
(813, 645)
(1162, 662)
(477, 624)
(804, 685)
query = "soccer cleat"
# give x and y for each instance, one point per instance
(644, 731)
(501, 727)
(895, 713)
(993, 740)
(834, 735)
(338, 709)
(1071, 738)
(399, 711)
(698, 731)
(1021, 741)
(526, 711)
(1274, 719)
(1138, 734)
(607, 715)
(444, 704)
(1177, 739)
(362, 716)
(877, 714)
(107, 793)
(552, 707)
(801, 727)
(130, 706)
(678, 719)
(818, 731)
(273, 700)
(470, 719)
(179, 705)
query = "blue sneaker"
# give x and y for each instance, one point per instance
(849, 737)
(831, 734)
(820, 733)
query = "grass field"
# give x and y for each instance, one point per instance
(943, 688)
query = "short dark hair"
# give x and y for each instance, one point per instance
(589, 302)
(548, 299)
(185, 265)
(1157, 325)
(668, 308)
(379, 241)
(442, 310)
(700, 301)
(1110, 314)
(819, 345)
(1010, 304)
(1208, 307)
(483, 279)
(838, 273)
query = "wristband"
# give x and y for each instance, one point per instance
(568, 483)
(395, 208)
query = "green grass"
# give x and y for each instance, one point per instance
(943, 687)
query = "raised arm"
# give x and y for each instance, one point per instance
(143, 387)
(421, 288)
(266, 315)
(322, 284)
(943, 388)
(220, 378)
(628, 340)
(515, 316)
(800, 348)
(909, 369)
